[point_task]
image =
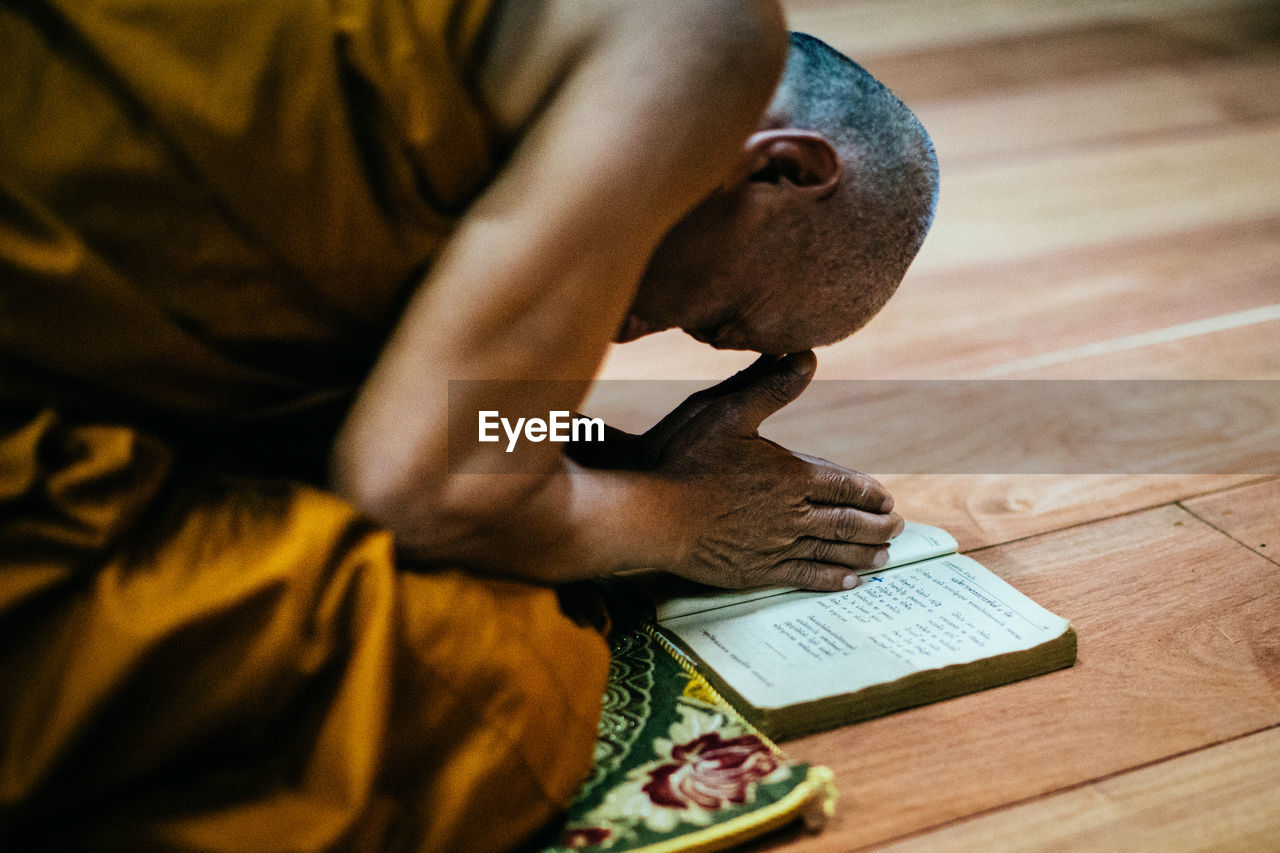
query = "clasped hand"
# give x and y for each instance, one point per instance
(755, 513)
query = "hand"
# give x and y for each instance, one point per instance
(756, 513)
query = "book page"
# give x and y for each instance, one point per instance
(805, 646)
(676, 597)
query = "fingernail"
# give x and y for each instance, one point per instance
(850, 581)
(880, 558)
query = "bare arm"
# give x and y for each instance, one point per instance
(639, 117)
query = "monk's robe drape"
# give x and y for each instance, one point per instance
(210, 212)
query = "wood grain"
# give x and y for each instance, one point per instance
(1060, 117)
(1249, 514)
(877, 27)
(1092, 50)
(1220, 798)
(1176, 654)
(985, 510)
(1247, 351)
(1150, 101)
(1035, 61)
(1009, 211)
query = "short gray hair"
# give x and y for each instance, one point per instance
(889, 189)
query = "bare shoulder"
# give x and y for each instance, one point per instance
(693, 45)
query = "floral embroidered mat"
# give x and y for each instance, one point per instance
(676, 768)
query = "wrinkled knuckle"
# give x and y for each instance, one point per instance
(777, 389)
(862, 490)
(852, 529)
(807, 519)
(804, 574)
(866, 488)
(824, 552)
(846, 488)
(753, 576)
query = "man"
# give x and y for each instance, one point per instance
(243, 245)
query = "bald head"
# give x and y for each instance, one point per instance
(858, 243)
(814, 233)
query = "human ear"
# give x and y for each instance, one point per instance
(803, 159)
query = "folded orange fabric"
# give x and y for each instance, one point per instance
(208, 216)
(239, 664)
(213, 211)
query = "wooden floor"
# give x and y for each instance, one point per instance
(1110, 208)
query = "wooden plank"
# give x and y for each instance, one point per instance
(990, 509)
(1055, 116)
(1249, 514)
(1178, 651)
(1220, 798)
(879, 27)
(1031, 61)
(1248, 351)
(1079, 199)
(1088, 51)
(1048, 119)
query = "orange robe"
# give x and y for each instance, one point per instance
(209, 214)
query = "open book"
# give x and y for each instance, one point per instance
(930, 625)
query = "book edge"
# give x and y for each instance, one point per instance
(782, 722)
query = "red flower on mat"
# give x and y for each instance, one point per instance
(589, 836)
(709, 771)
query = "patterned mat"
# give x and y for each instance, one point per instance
(676, 768)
